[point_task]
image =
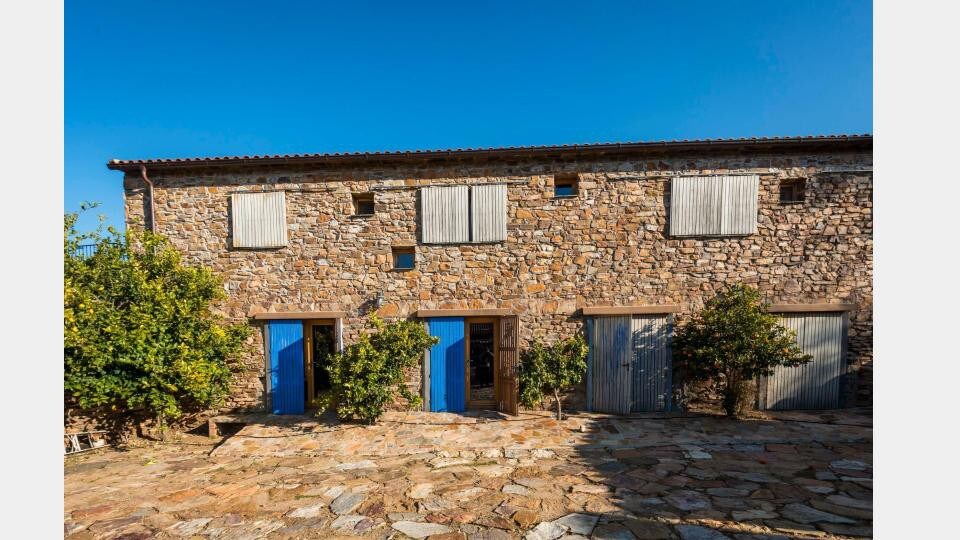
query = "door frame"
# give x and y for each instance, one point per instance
(481, 404)
(308, 325)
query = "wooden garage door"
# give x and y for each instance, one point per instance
(652, 370)
(611, 359)
(817, 384)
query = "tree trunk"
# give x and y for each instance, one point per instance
(736, 396)
(556, 396)
(161, 428)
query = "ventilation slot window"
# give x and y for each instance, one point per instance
(792, 191)
(404, 258)
(566, 185)
(363, 204)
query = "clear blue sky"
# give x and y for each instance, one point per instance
(174, 79)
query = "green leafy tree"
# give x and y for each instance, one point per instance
(140, 336)
(732, 341)
(553, 369)
(369, 374)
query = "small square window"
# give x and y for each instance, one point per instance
(363, 204)
(404, 258)
(792, 191)
(566, 185)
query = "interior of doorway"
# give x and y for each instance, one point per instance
(320, 342)
(482, 362)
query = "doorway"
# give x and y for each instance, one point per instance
(481, 362)
(320, 344)
(630, 363)
(474, 363)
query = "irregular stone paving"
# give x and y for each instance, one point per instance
(800, 476)
(413, 433)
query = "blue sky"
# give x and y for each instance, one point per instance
(174, 79)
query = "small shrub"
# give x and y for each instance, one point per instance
(551, 369)
(369, 374)
(730, 342)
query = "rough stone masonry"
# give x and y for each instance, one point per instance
(609, 245)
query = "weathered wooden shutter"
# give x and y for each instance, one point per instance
(488, 212)
(445, 215)
(259, 220)
(738, 205)
(714, 205)
(693, 206)
(509, 383)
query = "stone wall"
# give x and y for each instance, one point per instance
(607, 246)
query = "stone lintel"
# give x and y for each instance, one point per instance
(631, 310)
(299, 315)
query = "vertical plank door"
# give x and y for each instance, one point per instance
(509, 386)
(286, 367)
(611, 359)
(447, 365)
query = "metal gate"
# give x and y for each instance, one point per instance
(629, 364)
(816, 384)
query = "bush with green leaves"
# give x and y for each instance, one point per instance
(552, 369)
(140, 335)
(369, 374)
(732, 341)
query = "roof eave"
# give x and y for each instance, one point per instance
(836, 143)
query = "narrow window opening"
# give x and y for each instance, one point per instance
(566, 185)
(404, 258)
(792, 191)
(363, 204)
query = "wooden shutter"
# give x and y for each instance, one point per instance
(259, 220)
(738, 205)
(509, 383)
(714, 205)
(445, 215)
(488, 213)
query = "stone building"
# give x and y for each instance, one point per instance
(495, 247)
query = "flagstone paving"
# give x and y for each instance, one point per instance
(438, 476)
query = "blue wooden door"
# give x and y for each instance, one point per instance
(286, 367)
(447, 381)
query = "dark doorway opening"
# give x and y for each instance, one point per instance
(321, 345)
(481, 363)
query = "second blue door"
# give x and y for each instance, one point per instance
(447, 392)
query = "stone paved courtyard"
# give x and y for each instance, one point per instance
(423, 475)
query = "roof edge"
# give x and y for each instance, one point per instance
(854, 142)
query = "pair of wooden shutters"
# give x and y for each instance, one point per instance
(714, 205)
(463, 214)
(447, 364)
